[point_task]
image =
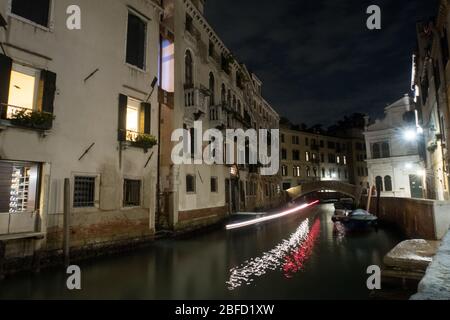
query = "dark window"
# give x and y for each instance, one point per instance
(211, 48)
(322, 144)
(386, 153)
(376, 152)
(190, 183)
(296, 155)
(212, 90)
(306, 141)
(379, 183)
(331, 158)
(286, 186)
(388, 183)
(131, 193)
(189, 73)
(37, 11)
(136, 35)
(282, 138)
(84, 192)
(214, 185)
(189, 23)
(331, 145)
(284, 154)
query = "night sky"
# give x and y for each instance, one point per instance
(317, 59)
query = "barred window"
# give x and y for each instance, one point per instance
(131, 193)
(84, 192)
(190, 184)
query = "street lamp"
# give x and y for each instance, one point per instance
(410, 134)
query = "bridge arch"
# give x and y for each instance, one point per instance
(350, 190)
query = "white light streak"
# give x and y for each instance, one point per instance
(269, 218)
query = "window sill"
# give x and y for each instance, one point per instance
(5, 124)
(136, 68)
(32, 23)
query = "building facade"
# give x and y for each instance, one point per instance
(210, 87)
(395, 165)
(431, 89)
(76, 108)
(308, 157)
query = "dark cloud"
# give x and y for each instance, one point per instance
(317, 59)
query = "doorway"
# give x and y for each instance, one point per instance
(416, 186)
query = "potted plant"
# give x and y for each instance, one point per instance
(145, 141)
(32, 119)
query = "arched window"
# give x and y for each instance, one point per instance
(223, 94)
(189, 70)
(315, 172)
(388, 183)
(379, 183)
(308, 172)
(212, 88)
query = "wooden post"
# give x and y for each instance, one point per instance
(66, 243)
(369, 199)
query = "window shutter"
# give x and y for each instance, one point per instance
(5, 78)
(48, 79)
(146, 111)
(123, 101)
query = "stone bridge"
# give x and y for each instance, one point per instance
(350, 190)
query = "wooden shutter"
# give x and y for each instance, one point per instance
(122, 128)
(48, 79)
(146, 114)
(5, 79)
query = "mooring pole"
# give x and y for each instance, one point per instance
(66, 243)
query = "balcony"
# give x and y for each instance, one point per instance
(196, 102)
(217, 117)
(25, 118)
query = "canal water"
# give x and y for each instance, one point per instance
(302, 256)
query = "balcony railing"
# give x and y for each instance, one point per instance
(217, 116)
(196, 101)
(26, 118)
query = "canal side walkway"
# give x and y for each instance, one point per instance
(436, 283)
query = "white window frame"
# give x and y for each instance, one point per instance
(146, 21)
(51, 13)
(29, 71)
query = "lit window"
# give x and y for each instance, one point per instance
(307, 157)
(22, 89)
(133, 115)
